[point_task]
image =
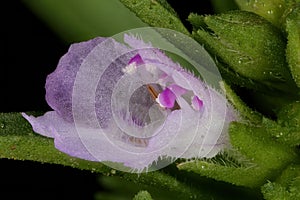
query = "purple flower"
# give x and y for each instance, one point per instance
(131, 105)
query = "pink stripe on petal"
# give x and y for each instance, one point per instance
(166, 98)
(197, 103)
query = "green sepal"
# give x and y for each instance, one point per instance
(274, 191)
(156, 13)
(287, 186)
(292, 29)
(289, 116)
(257, 145)
(257, 156)
(260, 159)
(287, 128)
(259, 57)
(142, 195)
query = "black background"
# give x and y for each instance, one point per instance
(30, 51)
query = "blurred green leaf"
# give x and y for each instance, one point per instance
(272, 10)
(142, 195)
(224, 5)
(270, 103)
(76, 20)
(156, 13)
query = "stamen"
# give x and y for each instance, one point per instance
(152, 91)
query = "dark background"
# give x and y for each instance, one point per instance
(30, 51)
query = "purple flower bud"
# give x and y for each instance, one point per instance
(131, 105)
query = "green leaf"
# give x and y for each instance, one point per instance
(142, 195)
(156, 13)
(241, 176)
(272, 10)
(229, 166)
(292, 28)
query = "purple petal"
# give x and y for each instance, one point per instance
(166, 98)
(59, 84)
(197, 103)
(136, 59)
(150, 54)
(177, 89)
(42, 125)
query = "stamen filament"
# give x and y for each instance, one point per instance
(152, 91)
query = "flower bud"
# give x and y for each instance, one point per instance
(248, 45)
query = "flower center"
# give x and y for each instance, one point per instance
(168, 96)
(153, 101)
